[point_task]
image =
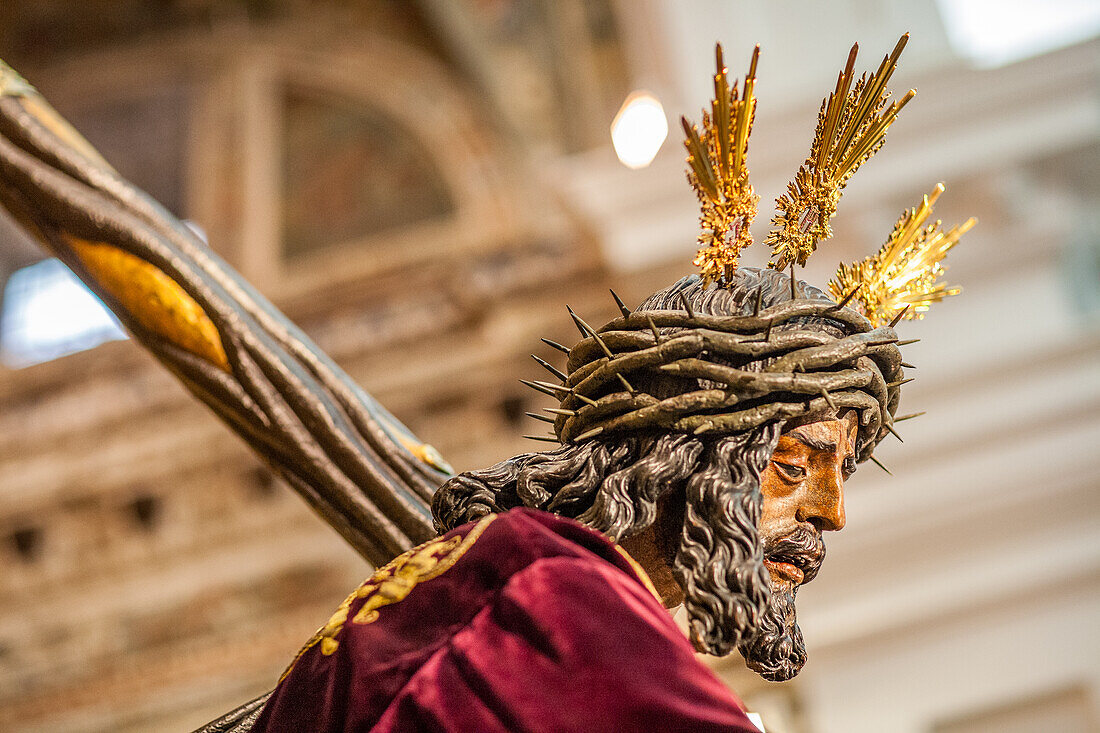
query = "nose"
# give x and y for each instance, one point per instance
(822, 500)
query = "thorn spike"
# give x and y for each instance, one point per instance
(828, 399)
(848, 297)
(899, 316)
(907, 342)
(556, 345)
(587, 330)
(543, 438)
(759, 301)
(900, 382)
(619, 302)
(794, 284)
(701, 429)
(582, 398)
(908, 417)
(557, 388)
(879, 464)
(579, 323)
(686, 304)
(893, 432)
(537, 416)
(768, 333)
(907, 365)
(653, 327)
(603, 345)
(535, 386)
(560, 411)
(626, 384)
(589, 434)
(550, 368)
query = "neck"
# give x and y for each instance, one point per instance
(644, 549)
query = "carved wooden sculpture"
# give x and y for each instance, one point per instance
(702, 377)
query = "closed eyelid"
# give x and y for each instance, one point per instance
(791, 471)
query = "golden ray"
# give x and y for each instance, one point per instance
(718, 172)
(905, 270)
(851, 127)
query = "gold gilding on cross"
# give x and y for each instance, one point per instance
(903, 274)
(718, 172)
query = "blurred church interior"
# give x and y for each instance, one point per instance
(423, 186)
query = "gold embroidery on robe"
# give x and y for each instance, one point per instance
(392, 583)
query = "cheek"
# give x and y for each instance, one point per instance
(773, 487)
(777, 506)
(774, 516)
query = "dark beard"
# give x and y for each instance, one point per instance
(777, 651)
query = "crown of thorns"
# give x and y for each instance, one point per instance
(741, 371)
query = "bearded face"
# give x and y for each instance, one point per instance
(723, 509)
(803, 497)
(732, 527)
(776, 651)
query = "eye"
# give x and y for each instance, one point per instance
(792, 472)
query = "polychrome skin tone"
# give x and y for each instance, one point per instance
(803, 491)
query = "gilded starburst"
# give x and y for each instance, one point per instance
(851, 127)
(718, 172)
(905, 271)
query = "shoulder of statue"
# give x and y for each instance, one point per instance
(555, 535)
(448, 579)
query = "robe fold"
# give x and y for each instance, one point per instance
(523, 621)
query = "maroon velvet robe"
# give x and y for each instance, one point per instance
(520, 622)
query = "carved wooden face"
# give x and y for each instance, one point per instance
(803, 494)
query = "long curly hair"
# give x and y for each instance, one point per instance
(614, 483)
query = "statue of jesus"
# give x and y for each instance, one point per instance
(704, 439)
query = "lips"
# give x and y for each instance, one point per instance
(796, 557)
(785, 570)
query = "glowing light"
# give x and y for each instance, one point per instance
(994, 32)
(48, 313)
(639, 129)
